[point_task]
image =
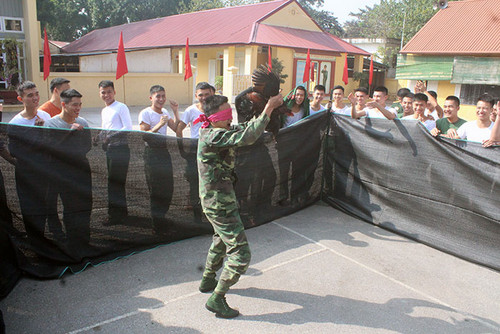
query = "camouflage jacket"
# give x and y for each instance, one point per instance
(216, 155)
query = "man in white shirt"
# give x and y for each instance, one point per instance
(25, 145)
(28, 94)
(71, 178)
(115, 116)
(495, 130)
(407, 105)
(480, 129)
(359, 99)
(419, 103)
(376, 107)
(318, 96)
(338, 106)
(203, 90)
(157, 160)
(433, 108)
(188, 149)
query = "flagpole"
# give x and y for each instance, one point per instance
(124, 92)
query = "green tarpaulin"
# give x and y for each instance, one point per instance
(424, 68)
(476, 71)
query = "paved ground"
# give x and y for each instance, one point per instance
(316, 271)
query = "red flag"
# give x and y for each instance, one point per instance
(47, 59)
(345, 77)
(188, 72)
(121, 67)
(370, 80)
(269, 59)
(305, 78)
(313, 66)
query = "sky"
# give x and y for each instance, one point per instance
(341, 10)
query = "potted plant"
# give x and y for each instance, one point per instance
(219, 80)
(10, 70)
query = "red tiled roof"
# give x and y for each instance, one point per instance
(468, 27)
(303, 39)
(223, 26)
(59, 44)
(209, 27)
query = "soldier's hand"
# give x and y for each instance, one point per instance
(275, 101)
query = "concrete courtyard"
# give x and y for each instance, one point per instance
(316, 271)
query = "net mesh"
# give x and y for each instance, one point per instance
(63, 205)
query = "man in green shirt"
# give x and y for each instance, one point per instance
(216, 155)
(450, 123)
(402, 92)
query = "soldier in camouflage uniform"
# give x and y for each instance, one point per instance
(216, 154)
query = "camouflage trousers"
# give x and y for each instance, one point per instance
(229, 240)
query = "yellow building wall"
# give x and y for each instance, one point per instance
(292, 16)
(204, 55)
(339, 73)
(446, 88)
(393, 87)
(33, 43)
(286, 57)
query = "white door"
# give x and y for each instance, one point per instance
(212, 68)
(194, 63)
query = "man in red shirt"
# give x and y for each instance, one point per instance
(53, 106)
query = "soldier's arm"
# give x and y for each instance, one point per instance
(247, 133)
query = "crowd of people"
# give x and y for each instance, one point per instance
(419, 105)
(212, 164)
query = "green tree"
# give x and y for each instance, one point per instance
(62, 18)
(385, 20)
(67, 20)
(278, 69)
(325, 19)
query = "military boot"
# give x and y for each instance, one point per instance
(207, 284)
(217, 304)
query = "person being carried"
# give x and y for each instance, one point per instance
(480, 129)
(419, 104)
(451, 121)
(216, 157)
(318, 96)
(157, 160)
(53, 106)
